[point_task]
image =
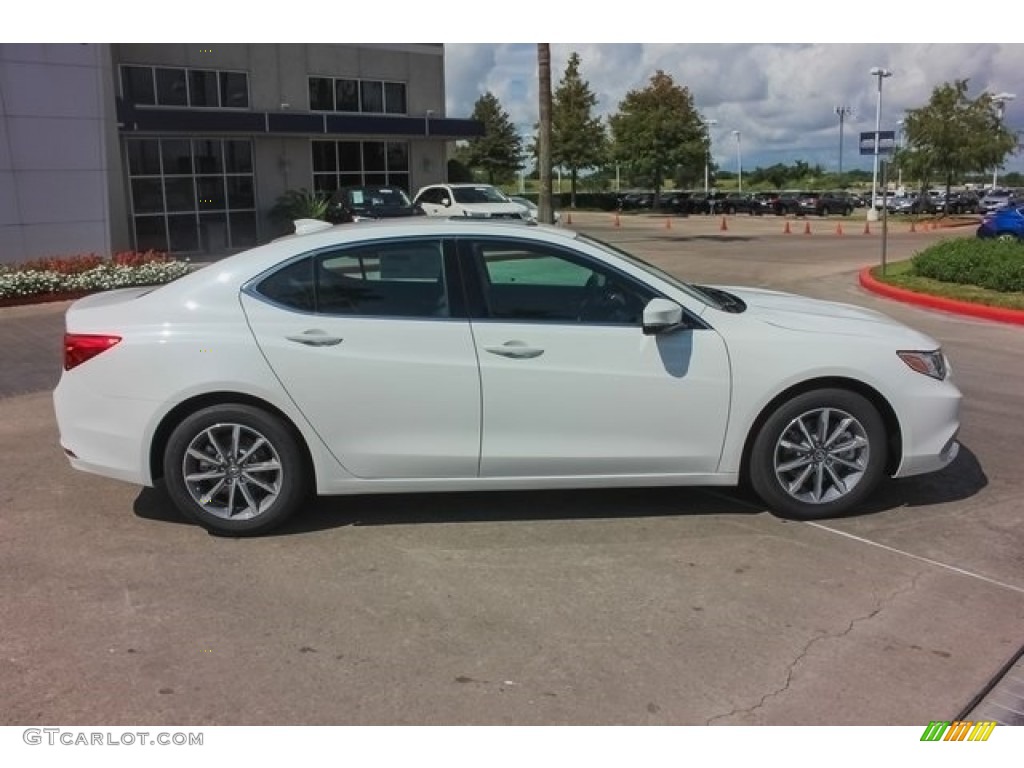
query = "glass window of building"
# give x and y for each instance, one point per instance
(354, 163)
(192, 196)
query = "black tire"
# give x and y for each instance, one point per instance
(256, 475)
(814, 466)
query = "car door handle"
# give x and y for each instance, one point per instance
(516, 350)
(316, 338)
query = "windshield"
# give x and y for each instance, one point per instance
(478, 195)
(690, 290)
(378, 197)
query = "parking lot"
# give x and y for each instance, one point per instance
(667, 606)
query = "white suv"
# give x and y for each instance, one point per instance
(479, 201)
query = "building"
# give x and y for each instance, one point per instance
(186, 147)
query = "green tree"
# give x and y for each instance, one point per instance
(657, 129)
(578, 138)
(953, 135)
(498, 153)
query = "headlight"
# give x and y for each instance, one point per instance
(929, 363)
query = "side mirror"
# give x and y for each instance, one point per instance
(660, 316)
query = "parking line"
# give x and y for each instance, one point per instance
(953, 568)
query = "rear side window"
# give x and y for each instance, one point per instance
(401, 279)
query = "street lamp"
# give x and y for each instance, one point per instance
(899, 146)
(739, 162)
(1000, 100)
(707, 155)
(842, 111)
(881, 74)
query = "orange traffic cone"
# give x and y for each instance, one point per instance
(912, 227)
(617, 224)
(839, 228)
(668, 222)
(724, 227)
(867, 228)
(787, 231)
(807, 227)
(568, 218)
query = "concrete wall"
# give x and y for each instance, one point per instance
(56, 120)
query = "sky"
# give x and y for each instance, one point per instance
(747, 62)
(781, 97)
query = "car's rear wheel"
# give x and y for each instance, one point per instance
(819, 455)
(235, 469)
(1007, 237)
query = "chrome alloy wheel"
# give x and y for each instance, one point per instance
(821, 455)
(232, 471)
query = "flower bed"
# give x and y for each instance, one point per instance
(62, 278)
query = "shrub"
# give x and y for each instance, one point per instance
(87, 273)
(992, 264)
(300, 204)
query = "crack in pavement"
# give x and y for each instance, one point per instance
(790, 670)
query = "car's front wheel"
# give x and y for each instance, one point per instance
(819, 455)
(235, 469)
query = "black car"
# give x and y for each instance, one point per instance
(707, 203)
(372, 202)
(741, 202)
(839, 201)
(788, 202)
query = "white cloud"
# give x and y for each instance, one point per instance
(781, 97)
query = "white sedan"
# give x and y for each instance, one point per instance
(459, 355)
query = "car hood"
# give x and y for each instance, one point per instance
(801, 313)
(493, 207)
(389, 212)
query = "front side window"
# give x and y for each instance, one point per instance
(529, 281)
(398, 279)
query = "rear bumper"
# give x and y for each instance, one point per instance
(103, 435)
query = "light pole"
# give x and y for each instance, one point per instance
(881, 74)
(899, 146)
(842, 111)
(739, 162)
(1000, 100)
(707, 155)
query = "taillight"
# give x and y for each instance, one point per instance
(79, 347)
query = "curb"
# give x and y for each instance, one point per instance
(997, 314)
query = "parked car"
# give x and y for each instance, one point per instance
(676, 202)
(964, 202)
(1004, 224)
(532, 211)
(353, 204)
(453, 354)
(481, 201)
(767, 200)
(636, 201)
(837, 201)
(741, 202)
(912, 203)
(707, 202)
(788, 202)
(996, 199)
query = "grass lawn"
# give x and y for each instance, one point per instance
(898, 274)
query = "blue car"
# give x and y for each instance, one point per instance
(1004, 224)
